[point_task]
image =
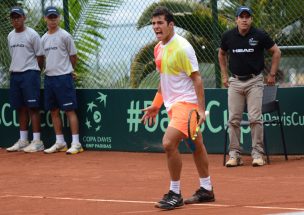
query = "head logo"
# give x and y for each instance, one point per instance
(253, 42)
(94, 116)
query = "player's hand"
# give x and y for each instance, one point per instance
(74, 75)
(150, 115)
(271, 79)
(202, 117)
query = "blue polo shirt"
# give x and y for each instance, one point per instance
(246, 53)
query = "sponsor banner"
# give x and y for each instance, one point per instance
(110, 119)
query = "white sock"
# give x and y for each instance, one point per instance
(175, 186)
(75, 139)
(60, 139)
(206, 183)
(36, 136)
(24, 135)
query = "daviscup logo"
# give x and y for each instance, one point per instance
(94, 121)
(94, 117)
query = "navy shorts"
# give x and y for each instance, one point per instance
(25, 89)
(59, 92)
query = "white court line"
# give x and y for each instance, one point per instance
(77, 199)
(279, 208)
(143, 202)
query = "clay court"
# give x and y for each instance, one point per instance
(129, 183)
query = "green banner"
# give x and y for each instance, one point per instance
(110, 120)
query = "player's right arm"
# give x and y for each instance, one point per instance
(223, 58)
(152, 111)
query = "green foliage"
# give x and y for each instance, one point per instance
(142, 65)
(177, 7)
(150, 81)
(108, 78)
(87, 17)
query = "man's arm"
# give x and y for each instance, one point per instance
(73, 59)
(222, 57)
(275, 61)
(199, 90)
(40, 60)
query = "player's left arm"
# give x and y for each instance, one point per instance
(199, 90)
(275, 61)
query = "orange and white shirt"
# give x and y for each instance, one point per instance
(175, 61)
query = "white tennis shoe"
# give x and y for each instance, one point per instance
(258, 162)
(35, 146)
(18, 146)
(75, 149)
(57, 147)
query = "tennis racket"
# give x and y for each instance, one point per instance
(193, 127)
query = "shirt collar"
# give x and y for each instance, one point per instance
(236, 31)
(172, 38)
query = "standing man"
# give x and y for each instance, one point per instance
(180, 89)
(27, 59)
(245, 46)
(60, 93)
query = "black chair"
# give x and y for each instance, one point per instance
(269, 105)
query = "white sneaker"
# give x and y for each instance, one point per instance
(258, 162)
(35, 146)
(57, 147)
(18, 146)
(233, 162)
(75, 149)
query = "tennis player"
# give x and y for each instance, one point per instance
(60, 94)
(27, 60)
(180, 89)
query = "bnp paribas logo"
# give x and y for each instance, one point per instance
(94, 115)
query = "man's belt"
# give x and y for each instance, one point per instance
(243, 77)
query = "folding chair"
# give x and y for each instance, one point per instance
(269, 105)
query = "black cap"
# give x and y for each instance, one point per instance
(17, 10)
(51, 10)
(243, 9)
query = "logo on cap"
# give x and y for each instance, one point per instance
(243, 9)
(17, 10)
(51, 11)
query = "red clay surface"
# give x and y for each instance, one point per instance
(129, 183)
